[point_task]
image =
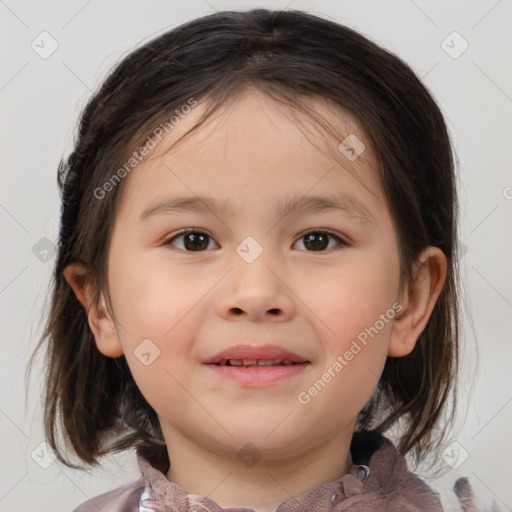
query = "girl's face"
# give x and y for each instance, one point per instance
(249, 275)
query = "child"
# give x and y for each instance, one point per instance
(258, 370)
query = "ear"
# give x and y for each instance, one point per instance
(100, 321)
(418, 300)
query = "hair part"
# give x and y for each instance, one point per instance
(293, 57)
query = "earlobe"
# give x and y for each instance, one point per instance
(418, 300)
(99, 319)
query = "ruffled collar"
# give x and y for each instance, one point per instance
(162, 495)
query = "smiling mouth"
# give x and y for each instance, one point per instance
(258, 372)
(254, 363)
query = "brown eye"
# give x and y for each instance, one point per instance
(319, 240)
(193, 241)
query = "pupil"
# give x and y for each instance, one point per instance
(194, 238)
(317, 241)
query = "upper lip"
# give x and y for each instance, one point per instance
(251, 352)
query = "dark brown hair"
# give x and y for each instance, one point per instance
(291, 56)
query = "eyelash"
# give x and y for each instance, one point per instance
(198, 231)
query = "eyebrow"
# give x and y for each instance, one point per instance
(316, 204)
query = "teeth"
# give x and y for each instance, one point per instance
(256, 362)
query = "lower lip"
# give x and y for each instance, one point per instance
(258, 375)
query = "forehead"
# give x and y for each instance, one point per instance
(255, 142)
(323, 125)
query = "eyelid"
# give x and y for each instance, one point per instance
(342, 238)
(186, 231)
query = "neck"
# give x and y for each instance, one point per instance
(259, 485)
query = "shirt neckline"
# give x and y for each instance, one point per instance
(153, 461)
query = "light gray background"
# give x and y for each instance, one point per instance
(40, 100)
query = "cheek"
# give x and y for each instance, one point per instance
(153, 298)
(352, 297)
(354, 308)
(355, 328)
(157, 307)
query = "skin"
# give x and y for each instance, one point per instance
(196, 303)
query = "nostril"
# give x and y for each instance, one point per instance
(274, 311)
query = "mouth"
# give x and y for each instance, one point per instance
(247, 356)
(255, 363)
(257, 373)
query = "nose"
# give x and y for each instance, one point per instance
(257, 291)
